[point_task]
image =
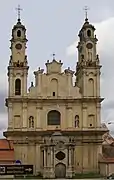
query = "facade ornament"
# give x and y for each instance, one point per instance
(31, 122)
(77, 121)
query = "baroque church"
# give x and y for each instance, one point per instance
(56, 125)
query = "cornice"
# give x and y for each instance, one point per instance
(44, 100)
(77, 132)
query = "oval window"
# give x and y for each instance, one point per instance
(18, 33)
(88, 33)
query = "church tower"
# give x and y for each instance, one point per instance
(17, 71)
(88, 67)
(18, 68)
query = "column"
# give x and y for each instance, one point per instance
(72, 156)
(25, 83)
(11, 84)
(24, 118)
(51, 156)
(10, 116)
(85, 84)
(84, 116)
(38, 117)
(69, 117)
(45, 158)
(67, 156)
(70, 163)
(98, 115)
(98, 83)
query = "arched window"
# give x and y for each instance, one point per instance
(91, 87)
(88, 33)
(53, 117)
(17, 87)
(18, 33)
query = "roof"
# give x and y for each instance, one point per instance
(7, 155)
(103, 159)
(108, 139)
(6, 144)
(6, 151)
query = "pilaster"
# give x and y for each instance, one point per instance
(25, 119)
(69, 117)
(38, 117)
(10, 116)
(84, 115)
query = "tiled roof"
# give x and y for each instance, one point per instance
(6, 151)
(108, 139)
(103, 159)
(6, 144)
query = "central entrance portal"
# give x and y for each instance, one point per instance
(60, 170)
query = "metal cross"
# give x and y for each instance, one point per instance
(86, 11)
(18, 10)
(53, 56)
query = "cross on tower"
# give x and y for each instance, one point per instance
(53, 56)
(18, 10)
(86, 12)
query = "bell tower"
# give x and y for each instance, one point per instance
(88, 67)
(18, 65)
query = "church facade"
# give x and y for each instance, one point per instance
(55, 125)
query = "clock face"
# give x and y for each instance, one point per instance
(89, 46)
(18, 46)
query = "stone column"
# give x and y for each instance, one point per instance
(25, 82)
(10, 116)
(72, 156)
(98, 115)
(70, 162)
(45, 158)
(84, 116)
(52, 173)
(69, 167)
(67, 156)
(11, 84)
(24, 118)
(98, 83)
(51, 156)
(84, 89)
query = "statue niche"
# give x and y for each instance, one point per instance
(76, 121)
(31, 122)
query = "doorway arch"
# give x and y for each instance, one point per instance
(60, 170)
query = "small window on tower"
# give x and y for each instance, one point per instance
(17, 87)
(88, 33)
(53, 93)
(18, 33)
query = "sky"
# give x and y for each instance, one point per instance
(52, 27)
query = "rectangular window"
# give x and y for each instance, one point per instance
(53, 93)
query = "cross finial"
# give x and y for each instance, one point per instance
(86, 12)
(18, 10)
(53, 56)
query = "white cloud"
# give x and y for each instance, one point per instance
(3, 123)
(104, 31)
(105, 47)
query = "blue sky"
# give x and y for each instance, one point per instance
(52, 27)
